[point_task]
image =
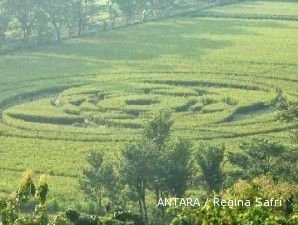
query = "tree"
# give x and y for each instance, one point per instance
(70, 18)
(160, 6)
(3, 27)
(24, 11)
(10, 208)
(178, 167)
(169, 157)
(157, 131)
(84, 10)
(92, 182)
(136, 170)
(57, 12)
(110, 9)
(157, 162)
(158, 128)
(41, 23)
(128, 7)
(210, 159)
(110, 175)
(97, 179)
(259, 156)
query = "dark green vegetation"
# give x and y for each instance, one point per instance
(28, 193)
(234, 213)
(27, 23)
(222, 76)
(262, 188)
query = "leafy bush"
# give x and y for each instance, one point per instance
(261, 156)
(262, 187)
(288, 111)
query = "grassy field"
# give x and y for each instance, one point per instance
(222, 77)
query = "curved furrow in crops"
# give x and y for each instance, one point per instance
(97, 111)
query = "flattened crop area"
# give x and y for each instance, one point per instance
(98, 111)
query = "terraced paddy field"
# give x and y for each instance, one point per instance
(222, 77)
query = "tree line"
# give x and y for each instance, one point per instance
(25, 23)
(28, 22)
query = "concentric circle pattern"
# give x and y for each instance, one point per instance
(111, 110)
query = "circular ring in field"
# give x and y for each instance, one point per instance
(108, 110)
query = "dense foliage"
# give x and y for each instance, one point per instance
(13, 209)
(261, 156)
(288, 111)
(30, 22)
(235, 212)
(232, 211)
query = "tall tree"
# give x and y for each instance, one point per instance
(97, 178)
(3, 27)
(157, 131)
(128, 7)
(57, 13)
(24, 11)
(92, 182)
(110, 9)
(157, 162)
(169, 158)
(85, 10)
(136, 170)
(177, 159)
(110, 175)
(160, 6)
(41, 24)
(210, 159)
